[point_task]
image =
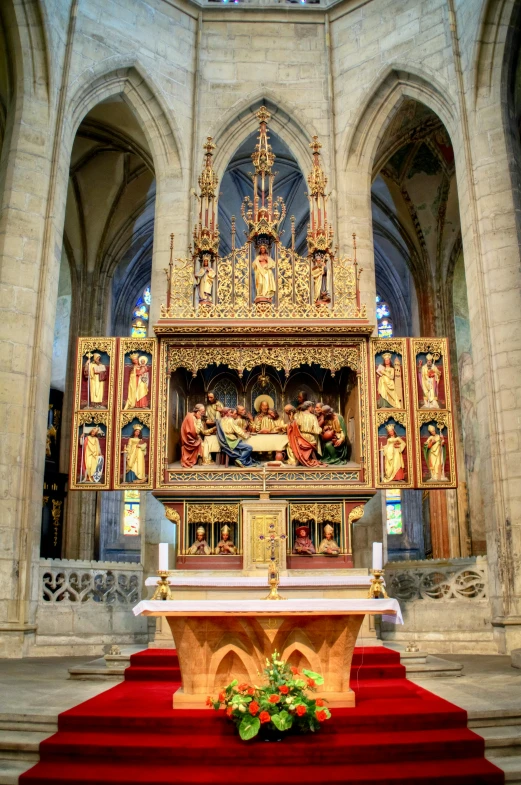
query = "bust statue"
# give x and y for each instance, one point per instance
(328, 546)
(200, 547)
(225, 545)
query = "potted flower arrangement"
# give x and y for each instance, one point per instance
(283, 704)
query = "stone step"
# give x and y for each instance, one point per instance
(21, 745)
(494, 718)
(39, 723)
(11, 770)
(510, 765)
(431, 668)
(501, 740)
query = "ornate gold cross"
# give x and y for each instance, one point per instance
(273, 540)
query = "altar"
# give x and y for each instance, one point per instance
(221, 640)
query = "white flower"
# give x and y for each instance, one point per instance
(242, 707)
(289, 700)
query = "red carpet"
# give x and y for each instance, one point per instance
(398, 733)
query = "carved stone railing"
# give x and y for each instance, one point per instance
(80, 582)
(438, 579)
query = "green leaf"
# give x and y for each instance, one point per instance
(238, 699)
(249, 728)
(233, 683)
(282, 720)
(317, 678)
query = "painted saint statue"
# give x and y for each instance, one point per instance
(204, 279)
(390, 396)
(329, 546)
(225, 545)
(200, 547)
(96, 373)
(319, 277)
(434, 453)
(92, 466)
(393, 466)
(135, 452)
(430, 376)
(303, 543)
(265, 286)
(138, 383)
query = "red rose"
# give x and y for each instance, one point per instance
(242, 687)
(311, 683)
(229, 711)
(264, 716)
(222, 697)
(251, 691)
(301, 710)
(321, 715)
(294, 671)
(209, 701)
(284, 689)
(253, 708)
(319, 702)
(274, 698)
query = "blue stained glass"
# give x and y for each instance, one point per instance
(382, 310)
(147, 296)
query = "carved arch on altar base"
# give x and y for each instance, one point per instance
(232, 661)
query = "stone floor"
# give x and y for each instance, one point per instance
(34, 691)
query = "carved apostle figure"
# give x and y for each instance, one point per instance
(434, 453)
(265, 286)
(193, 443)
(262, 421)
(303, 544)
(225, 545)
(135, 452)
(329, 546)
(96, 373)
(200, 547)
(319, 276)
(393, 463)
(430, 376)
(213, 409)
(390, 396)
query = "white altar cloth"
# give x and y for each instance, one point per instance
(260, 442)
(237, 582)
(389, 608)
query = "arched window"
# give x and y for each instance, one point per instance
(226, 392)
(393, 507)
(383, 318)
(140, 315)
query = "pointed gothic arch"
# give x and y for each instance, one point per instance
(129, 78)
(240, 122)
(392, 87)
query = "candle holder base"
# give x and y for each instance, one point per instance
(163, 590)
(377, 588)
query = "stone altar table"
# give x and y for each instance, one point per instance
(218, 640)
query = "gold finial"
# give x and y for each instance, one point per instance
(315, 145)
(263, 115)
(209, 145)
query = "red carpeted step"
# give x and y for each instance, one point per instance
(374, 654)
(473, 771)
(157, 673)
(378, 671)
(328, 748)
(155, 657)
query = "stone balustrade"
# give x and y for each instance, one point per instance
(109, 583)
(438, 579)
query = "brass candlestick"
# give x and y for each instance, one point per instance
(163, 591)
(377, 588)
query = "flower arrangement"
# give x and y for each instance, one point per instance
(283, 704)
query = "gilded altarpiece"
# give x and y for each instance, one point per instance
(135, 415)
(433, 418)
(91, 444)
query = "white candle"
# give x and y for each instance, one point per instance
(163, 556)
(378, 555)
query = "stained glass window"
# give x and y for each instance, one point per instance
(383, 316)
(141, 315)
(393, 507)
(131, 512)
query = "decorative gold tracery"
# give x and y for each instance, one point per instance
(283, 358)
(318, 512)
(212, 513)
(391, 414)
